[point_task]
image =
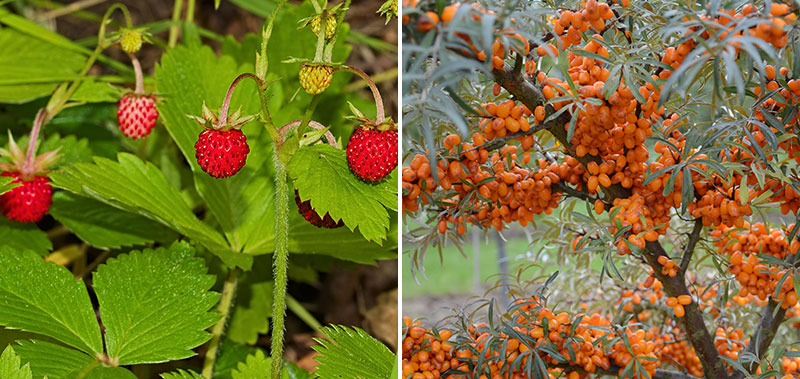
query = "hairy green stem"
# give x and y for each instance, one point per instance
(328, 54)
(262, 63)
(225, 303)
(281, 265)
(57, 103)
(176, 18)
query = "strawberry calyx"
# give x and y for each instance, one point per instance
(368, 123)
(17, 160)
(209, 120)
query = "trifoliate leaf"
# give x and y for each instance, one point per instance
(256, 366)
(24, 236)
(45, 298)
(155, 304)
(351, 353)
(104, 226)
(10, 366)
(320, 173)
(181, 374)
(51, 360)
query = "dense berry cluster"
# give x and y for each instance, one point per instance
(631, 158)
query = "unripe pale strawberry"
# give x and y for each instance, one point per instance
(315, 78)
(308, 213)
(372, 154)
(28, 202)
(136, 115)
(130, 41)
(330, 26)
(221, 153)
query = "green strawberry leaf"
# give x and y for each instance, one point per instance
(231, 353)
(253, 306)
(51, 360)
(256, 366)
(243, 203)
(45, 298)
(71, 149)
(320, 173)
(101, 372)
(92, 91)
(351, 353)
(340, 243)
(139, 187)
(181, 374)
(104, 226)
(45, 65)
(24, 236)
(90, 122)
(10, 366)
(155, 304)
(292, 371)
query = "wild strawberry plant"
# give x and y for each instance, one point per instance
(652, 142)
(186, 193)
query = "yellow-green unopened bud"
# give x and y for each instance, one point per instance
(330, 26)
(130, 42)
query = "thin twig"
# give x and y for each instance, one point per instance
(688, 251)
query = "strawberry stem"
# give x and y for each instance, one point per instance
(328, 135)
(281, 265)
(137, 69)
(61, 96)
(223, 113)
(262, 63)
(379, 118)
(225, 305)
(28, 168)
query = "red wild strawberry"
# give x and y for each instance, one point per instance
(221, 149)
(31, 199)
(28, 202)
(372, 154)
(304, 207)
(221, 153)
(136, 115)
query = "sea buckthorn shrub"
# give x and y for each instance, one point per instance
(654, 142)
